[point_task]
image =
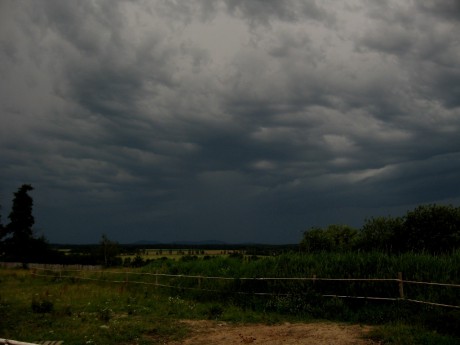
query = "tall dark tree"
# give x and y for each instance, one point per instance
(21, 218)
(17, 237)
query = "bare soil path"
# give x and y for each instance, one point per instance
(220, 333)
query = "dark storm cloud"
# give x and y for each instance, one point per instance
(264, 12)
(446, 9)
(425, 44)
(231, 120)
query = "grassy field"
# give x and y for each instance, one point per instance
(101, 312)
(85, 312)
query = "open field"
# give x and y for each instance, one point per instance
(176, 254)
(126, 254)
(112, 310)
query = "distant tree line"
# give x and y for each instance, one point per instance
(428, 228)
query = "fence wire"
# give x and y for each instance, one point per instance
(200, 278)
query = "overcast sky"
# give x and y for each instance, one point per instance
(231, 120)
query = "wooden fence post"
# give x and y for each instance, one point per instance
(401, 285)
(314, 282)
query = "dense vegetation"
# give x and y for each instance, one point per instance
(304, 298)
(427, 228)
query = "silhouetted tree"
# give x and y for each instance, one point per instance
(21, 218)
(17, 237)
(17, 234)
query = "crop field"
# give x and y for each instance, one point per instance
(176, 254)
(147, 305)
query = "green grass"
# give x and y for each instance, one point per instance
(82, 312)
(97, 312)
(37, 309)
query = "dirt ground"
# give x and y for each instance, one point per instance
(220, 333)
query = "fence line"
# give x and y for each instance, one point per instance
(225, 278)
(163, 285)
(432, 303)
(365, 297)
(437, 284)
(400, 281)
(254, 278)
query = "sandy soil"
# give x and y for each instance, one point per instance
(220, 333)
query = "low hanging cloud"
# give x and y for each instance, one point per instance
(230, 120)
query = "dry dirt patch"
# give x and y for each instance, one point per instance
(220, 333)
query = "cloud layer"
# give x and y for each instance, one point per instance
(231, 120)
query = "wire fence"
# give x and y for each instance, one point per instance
(395, 288)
